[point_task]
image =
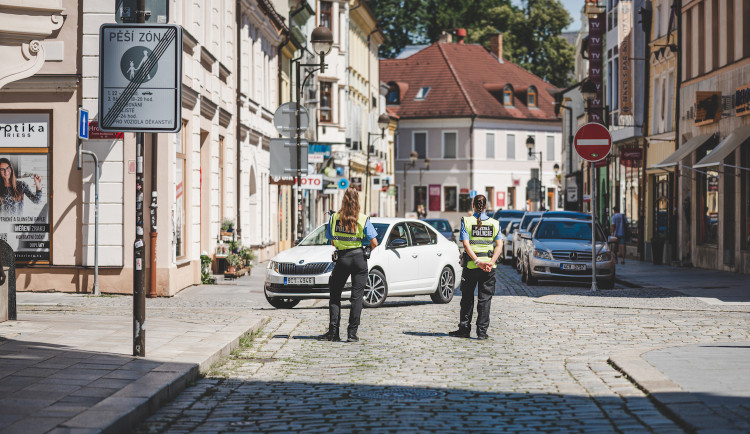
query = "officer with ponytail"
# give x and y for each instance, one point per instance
(480, 236)
(353, 236)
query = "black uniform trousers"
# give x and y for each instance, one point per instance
(470, 279)
(351, 262)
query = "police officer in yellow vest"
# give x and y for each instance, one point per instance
(481, 239)
(348, 231)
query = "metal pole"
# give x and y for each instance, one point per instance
(153, 208)
(542, 193)
(96, 217)
(139, 295)
(594, 288)
(299, 156)
(367, 176)
(403, 193)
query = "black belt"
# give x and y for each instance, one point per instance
(347, 251)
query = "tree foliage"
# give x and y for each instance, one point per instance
(531, 35)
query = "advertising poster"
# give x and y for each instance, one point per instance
(24, 205)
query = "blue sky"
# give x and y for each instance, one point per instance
(573, 7)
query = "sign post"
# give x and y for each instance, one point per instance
(593, 143)
(83, 134)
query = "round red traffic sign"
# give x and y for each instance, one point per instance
(593, 142)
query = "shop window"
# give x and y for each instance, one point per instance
(326, 101)
(745, 210)
(179, 206)
(326, 8)
(661, 205)
(420, 197)
(707, 203)
(450, 201)
(531, 96)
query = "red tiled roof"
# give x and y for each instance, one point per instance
(464, 80)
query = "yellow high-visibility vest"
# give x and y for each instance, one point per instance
(481, 238)
(343, 240)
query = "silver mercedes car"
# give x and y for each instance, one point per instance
(562, 251)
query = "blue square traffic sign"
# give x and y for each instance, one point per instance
(83, 124)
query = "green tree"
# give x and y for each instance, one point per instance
(403, 23)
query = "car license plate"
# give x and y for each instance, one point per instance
(299, 281)
(575, 267)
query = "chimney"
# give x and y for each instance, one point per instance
(496, 45)
(446, 37)
(461, 34)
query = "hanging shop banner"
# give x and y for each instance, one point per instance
(707, 107)
(626, 63)
(434, 196)
(597, 24)
(742, 100)
(24, 205)
(24, 130)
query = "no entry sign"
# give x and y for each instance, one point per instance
(593, 142)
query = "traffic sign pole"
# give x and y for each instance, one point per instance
(594, 287)
(139, 276)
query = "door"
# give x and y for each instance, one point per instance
(427, 254)
(402, 261)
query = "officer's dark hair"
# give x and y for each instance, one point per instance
(480, 203)
(350, 210)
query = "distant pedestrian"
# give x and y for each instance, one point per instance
(348, 231)
(421, 212)
(482, 242)
(618, 230)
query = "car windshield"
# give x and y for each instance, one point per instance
(567, 230)
(440, 225)
(316, 237)
(532, 225)
(567, 215)
(526, 220)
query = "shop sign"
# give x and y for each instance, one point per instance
(281, 180)
(356, 182)
(626, 73)
(24, 208)
(312, 182)
(631, 154)
(95, 133)
(24, 130)
(713, 183)
(500, 199)
(315, 158)
(742, 100)
(434, 196)
(707, 107)
(572, 193)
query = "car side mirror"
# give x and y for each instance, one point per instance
(398, 242)
(455, 231)
(526, 235)
(612, 239)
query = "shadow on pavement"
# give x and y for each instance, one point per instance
(426, 334)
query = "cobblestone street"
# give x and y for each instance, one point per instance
(544, 367)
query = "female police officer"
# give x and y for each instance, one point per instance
(348, 231)
(478, 233)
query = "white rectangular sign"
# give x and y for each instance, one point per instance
(140, 77)
(24, 130)
(311, 182)
(315, 158)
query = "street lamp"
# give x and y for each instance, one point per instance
(322, 42)
(530, 144)
(588, 93)
(383, 121)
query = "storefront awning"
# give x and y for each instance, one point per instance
(683, 151)
(726, 147)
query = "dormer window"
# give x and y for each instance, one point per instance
(531, 97)
(508, 95)
(393, 96)
(422, 94)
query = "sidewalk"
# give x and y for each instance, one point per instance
(703, 386)
(66, 365)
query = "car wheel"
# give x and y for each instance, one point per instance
(519, 264)
(444, 292)
(523, 273)
(282, 303)
(530, 279)
(376, 290)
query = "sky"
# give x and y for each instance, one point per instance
(573, 7)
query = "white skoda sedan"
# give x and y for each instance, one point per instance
(412, 258)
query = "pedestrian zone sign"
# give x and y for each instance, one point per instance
(140, 78)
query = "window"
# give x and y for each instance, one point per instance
(420, 144)
(464, 202)
(490, 195)
(511, 197)
(707, 203)
(393, 96)
(550, 148)
(450, 199)
(531, 96)
(490, 146)
(730, 33)
(508, 95)
(421, 236)
(511, 146)
(326, 7)
(221, 178)
(420, 196)
(326, 101)
(399, 232)
(422, 94)
(745, 188)
(449, 144)
(179, 219)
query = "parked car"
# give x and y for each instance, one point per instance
(444, 227)
(568, 215)
(412, 258)
(525, 246)
(525, 220)
(561, 250)
(508, 214)
(508, 231)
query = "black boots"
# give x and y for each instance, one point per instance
(460, 333)
(331, 335)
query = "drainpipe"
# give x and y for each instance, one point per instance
(238, 117)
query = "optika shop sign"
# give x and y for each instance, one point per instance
(24, 130)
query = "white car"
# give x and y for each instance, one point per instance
(412, 258)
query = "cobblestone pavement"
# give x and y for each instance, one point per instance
(543, 368)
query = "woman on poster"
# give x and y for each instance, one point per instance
(12, 190)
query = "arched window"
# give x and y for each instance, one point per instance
(531, 96)
(508, 95)
(393, 94)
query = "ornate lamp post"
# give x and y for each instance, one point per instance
(383, 121)
(322, 41)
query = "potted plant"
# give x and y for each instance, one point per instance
(234, 247)
(227, 226)
(657, 247)
(233, 262)
(248, 255)
(206, 277)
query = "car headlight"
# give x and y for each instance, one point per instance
(541, 253)
(273, 265)
(329, 268)
(604, 257)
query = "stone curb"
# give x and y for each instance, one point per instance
(685, 409)
(121, 412)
